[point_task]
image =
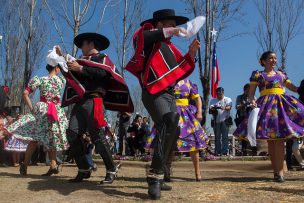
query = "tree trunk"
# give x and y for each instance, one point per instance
(283, 59)
(27, 72)
(205, 78)
(76, 31)
(124, 38)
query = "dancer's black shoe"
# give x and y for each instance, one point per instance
(111, 175)
(80, 176)
(52, 171)
(23, 169)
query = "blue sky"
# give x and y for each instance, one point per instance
(237, 57)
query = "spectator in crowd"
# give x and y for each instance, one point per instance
(136, 138)
(111, 137)
(243, 108)
(145, 126)
(3, 153)
(4, 113)
(220, 108)
(124, 122)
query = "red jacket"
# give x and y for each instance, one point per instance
(162, 66)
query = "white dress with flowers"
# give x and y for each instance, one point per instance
(38, 126)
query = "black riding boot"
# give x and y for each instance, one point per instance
(154, 184)
(163, 148)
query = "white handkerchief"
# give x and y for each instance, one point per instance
(63, 65)
(54, 59)
(252, 125)
(193, 26)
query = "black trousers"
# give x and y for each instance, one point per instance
(289, 144)
(158, 106)
(122, 134)
(81, 121)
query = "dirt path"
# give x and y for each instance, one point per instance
(230, 181)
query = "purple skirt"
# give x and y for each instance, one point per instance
(280, 117)
(192, 136)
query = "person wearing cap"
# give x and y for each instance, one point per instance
(222, 106)
(47, 122)
(243, 108)
(93, 82)
(159, 65)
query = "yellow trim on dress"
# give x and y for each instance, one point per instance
(271, 91)
(195, 96)
(182, 102)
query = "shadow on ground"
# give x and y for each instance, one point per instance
(61, 185)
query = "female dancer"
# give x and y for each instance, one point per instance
(280, 117)
(47, 122)
(192, 137)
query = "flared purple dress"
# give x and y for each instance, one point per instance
(281, 116)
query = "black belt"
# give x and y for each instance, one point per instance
(93, 95)
(170, 90)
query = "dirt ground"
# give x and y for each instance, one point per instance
(223, 181)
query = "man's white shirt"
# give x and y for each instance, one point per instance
(222, 114)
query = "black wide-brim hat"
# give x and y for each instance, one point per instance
(166, 14)
(101, 42)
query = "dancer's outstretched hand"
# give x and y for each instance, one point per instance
(193, 48)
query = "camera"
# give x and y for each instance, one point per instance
(213, 109)
(247, 106)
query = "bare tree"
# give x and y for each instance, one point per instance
(290, 13)
(23, 41)
(265, 31)
(11, 41)
(280, 24)
(74, 14)
(132, 15)
(34, 35)
(219, 15)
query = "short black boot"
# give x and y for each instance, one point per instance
(154, 188)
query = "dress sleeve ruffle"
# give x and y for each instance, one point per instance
(193, 90)
(284, 76)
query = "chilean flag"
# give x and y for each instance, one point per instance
(215, 72)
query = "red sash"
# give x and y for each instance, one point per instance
(52, 111)
(99, 120)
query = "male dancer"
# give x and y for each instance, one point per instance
(159, 65)
(91, 83)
